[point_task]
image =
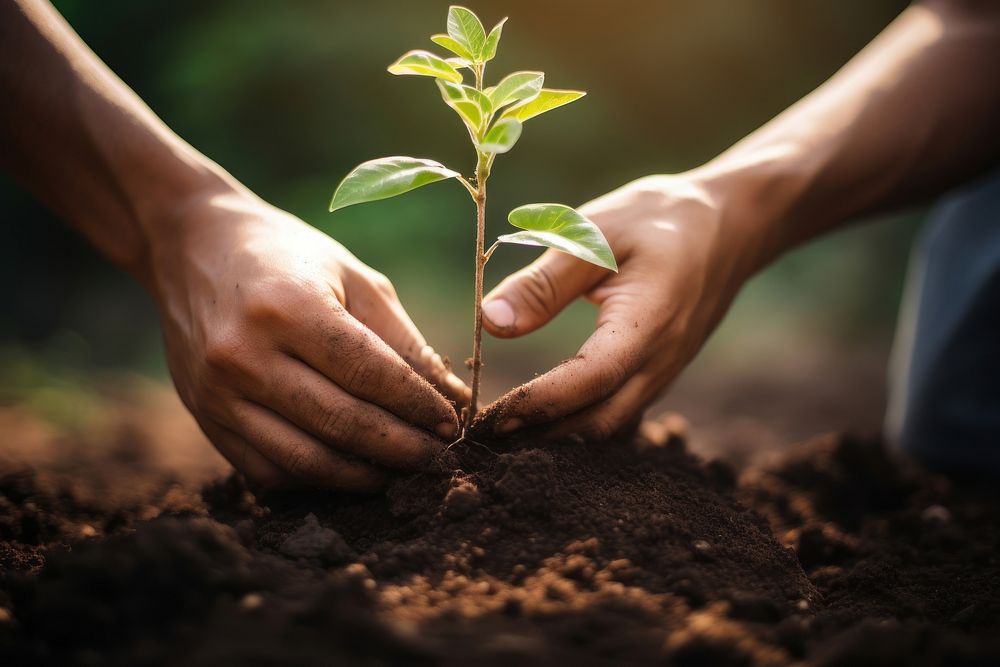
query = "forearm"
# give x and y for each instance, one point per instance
(915, 113)
(85, 144)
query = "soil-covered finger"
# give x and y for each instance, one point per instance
(385, 316)
(344, 422)
(251, 463)
(422, 358)
(350, 354)
(300, 455)
(617, 416)
(431, 366)
(601, 367)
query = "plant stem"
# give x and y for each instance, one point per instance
(479, 70)
(477, 352)
(483, 164)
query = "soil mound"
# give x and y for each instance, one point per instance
(595, 554)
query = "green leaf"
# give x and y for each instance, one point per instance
(425, 63)
(546, 100)
(562, 228)
(501, 137)
(453, 46)
(492, 40)
(387, 177)
(465, 28)
(473, 106)
(516, 87)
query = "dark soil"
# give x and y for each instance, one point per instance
(583, 554)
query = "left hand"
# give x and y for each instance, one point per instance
(297, 360)
(678, 274)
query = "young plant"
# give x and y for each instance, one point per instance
(494, 116)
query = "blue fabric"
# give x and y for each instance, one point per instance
(950, 416)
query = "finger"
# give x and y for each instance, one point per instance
(617, 416)
(664, 429)
(338, 419)
(431, 366)
(614, 352)
(534, 295)
(243, 457)
(381, 311)
(300, 455)
(350, 354)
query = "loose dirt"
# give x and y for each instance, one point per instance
(618, 553)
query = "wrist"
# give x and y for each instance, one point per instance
(179, 223)
(718, 206)
(757, 202)
(151, 178)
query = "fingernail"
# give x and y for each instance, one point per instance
(447, 429)
(509, 425)
(499, 313)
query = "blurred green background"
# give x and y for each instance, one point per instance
(290, 95)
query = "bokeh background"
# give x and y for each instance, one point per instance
(290, 95)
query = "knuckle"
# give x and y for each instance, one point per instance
(225, 352)
(265, 304)
(540, 289)
(360, 370)
(299, 462)
(272, 301)
(612, 375)
(333, 424)
(383, 286)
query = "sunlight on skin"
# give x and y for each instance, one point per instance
(297, 360)
(665, 226)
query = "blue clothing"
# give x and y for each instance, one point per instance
(945, 404)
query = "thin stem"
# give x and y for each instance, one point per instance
(489, 253)
(479, 69)
(477, 351)
(483, 165)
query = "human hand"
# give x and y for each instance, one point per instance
(296, 359)
(679, 268)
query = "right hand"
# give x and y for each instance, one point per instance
(296, 359)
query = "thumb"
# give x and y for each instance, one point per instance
(534, 295)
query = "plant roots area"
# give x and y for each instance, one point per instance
(836, 553)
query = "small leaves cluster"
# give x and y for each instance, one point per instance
(493, 116)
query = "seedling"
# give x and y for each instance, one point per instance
(494, 116)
